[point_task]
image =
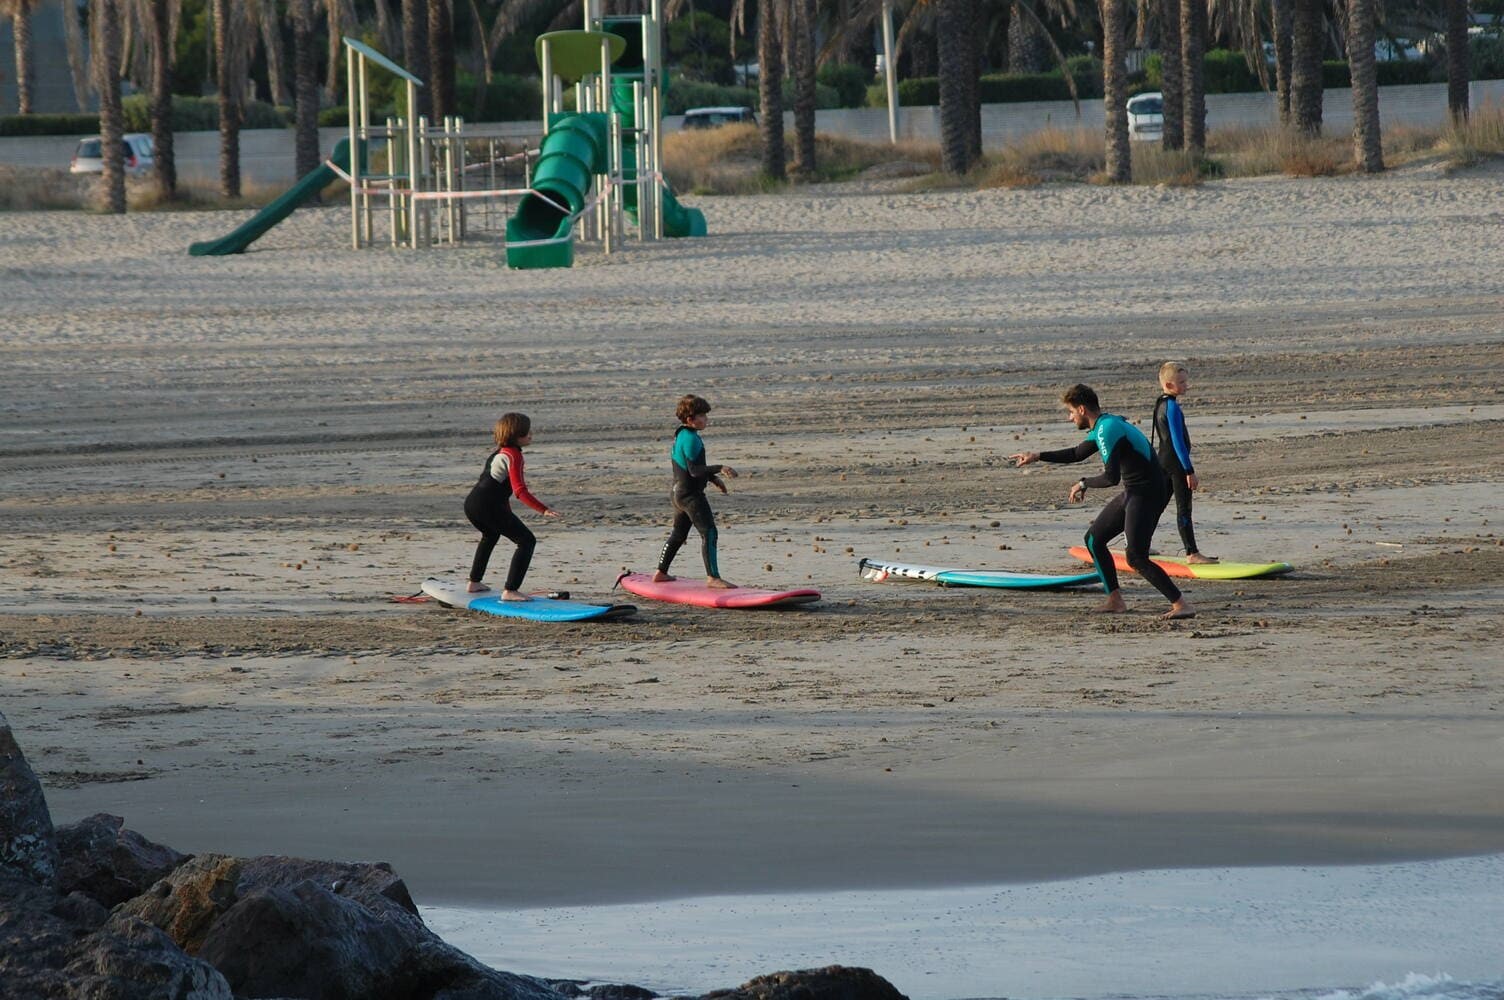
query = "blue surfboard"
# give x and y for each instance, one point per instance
(452, 592)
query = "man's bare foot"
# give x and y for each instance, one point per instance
(716, 583)
(1196, 558)
(661, 577)
(1114, 605)
(1180, 609)
(476, 588)
(514, 595)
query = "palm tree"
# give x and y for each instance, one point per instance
(229, 78)
(415, 51)
(441, 58)
(19, 12)
(802, 28)
(1282, 17)
(1457, 59)
(161, 18)
(1367, 149)
(1192, 73)
(305, 88)
(770, 88)
(952, 26)
(1308, 45)
(1115, 91)
(104, 24)
(1172, 75)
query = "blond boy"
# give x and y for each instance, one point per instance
(1172, 444)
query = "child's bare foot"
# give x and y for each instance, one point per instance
(1197, 558)
(1180, 609)
(716, 583)
(513, 595)
(661, 577)
(1114, 605)
(476, 587)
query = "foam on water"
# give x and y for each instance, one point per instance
(1419, 931)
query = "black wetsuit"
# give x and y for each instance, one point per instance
(1134, 513)
(489, 508)
(691, 475)
(1172, 443)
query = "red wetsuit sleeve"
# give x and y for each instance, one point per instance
(519, 485)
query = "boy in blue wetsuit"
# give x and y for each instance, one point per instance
(1172, 444)
(1134, 513)
(691, 475)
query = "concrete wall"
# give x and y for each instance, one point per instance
(266, 155)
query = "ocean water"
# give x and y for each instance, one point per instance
(1418, 931)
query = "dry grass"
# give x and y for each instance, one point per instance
(1481, 137)
(24, 189)
(728, 160)
(1051, 154)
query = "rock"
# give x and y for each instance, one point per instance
(102, 859)
(189, 900)
(55, 947)
(376, 887)
(623, 992)
(27, 842)
(834, 982)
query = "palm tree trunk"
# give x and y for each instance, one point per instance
(1115, 92)
(1171, 75)
(160, 14)
(105, 18)
(976, 55)
(227, 72)
(1308, 45)
(305, 88)
(441, 58)
(1361, 29)
(952, 23)
(770, 89)
(802, 25)
(1027, 51)
(20, 26)
(1193, 73)
(415, 52)
(1457, 59)
(1283, 17)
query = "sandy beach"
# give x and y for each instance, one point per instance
(215, 474)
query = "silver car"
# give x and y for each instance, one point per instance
(140, 155)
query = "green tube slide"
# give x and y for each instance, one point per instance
(574, 151)
(677, 219)
(256, 227)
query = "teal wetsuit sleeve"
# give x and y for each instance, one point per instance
(1180, 438)
(689, 455)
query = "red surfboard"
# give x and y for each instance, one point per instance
(694, 591)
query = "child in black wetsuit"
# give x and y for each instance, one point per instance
(489, 506)
(691, 475)
(1172, 445)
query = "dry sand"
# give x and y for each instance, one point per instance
(215, 472)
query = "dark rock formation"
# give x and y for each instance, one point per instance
(26, 838)
(834, 982)
(102, 859)
(188, 901)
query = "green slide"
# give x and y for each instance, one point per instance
(255, 227)
(677, 220)
(576, 148)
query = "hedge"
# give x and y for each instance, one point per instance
(848, 81)
(1227, 72)
(1001, 88)
(189, 114)
(683, 94)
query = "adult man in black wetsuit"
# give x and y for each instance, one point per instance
(1127, 458)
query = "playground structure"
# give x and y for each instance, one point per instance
(597, 168)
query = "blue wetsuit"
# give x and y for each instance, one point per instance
(1173, 446)
(1127, 458)
(691, 476)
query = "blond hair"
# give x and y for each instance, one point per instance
(1169, 370)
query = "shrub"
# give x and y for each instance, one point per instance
(189, 114)
(1486, 57)
(505, 99)
(849, 82)
(683, 94)
(48, 124)
(1002, 88)
(825, 97)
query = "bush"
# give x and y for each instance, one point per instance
(825, 97)
(1334, 73)
(849, 82)
(683, 94)
(505, 99)
(189, 114)
(1002, 88)
(48, 124)
(1486, 57)
(1227, 72)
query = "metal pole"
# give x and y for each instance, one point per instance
(547, 69)
(351, 56)
(890, 71)
(413, 124)
(368, 220)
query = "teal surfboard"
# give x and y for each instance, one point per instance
(452, 592)
(877, 571)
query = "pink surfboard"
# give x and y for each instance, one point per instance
(693, 591)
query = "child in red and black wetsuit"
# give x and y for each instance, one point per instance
(489, 506)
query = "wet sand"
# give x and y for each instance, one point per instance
(256, 453)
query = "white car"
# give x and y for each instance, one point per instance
(140, 155)
(1146, 117)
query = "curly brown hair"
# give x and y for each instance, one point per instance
(510, 428)
(1081, 395)
(690, 406)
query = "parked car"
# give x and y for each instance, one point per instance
(715, 117)
(140, 155)
(1146, 117)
